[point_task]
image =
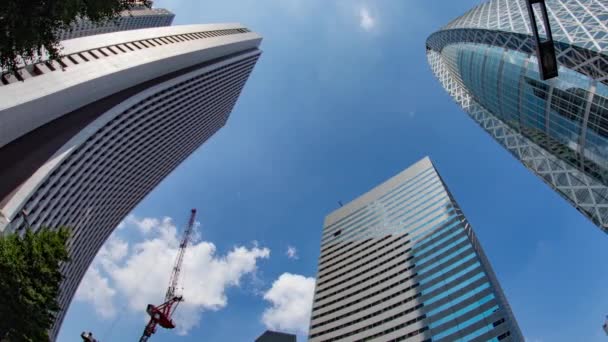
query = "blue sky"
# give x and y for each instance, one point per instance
(341, 99)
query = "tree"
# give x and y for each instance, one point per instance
(29, 283)
(30, 28)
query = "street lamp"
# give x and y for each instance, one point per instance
(545, 49)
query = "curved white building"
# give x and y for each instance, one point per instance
(83, 140)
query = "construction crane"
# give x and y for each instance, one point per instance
(161, 314)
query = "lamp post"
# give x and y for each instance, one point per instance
(545, 48)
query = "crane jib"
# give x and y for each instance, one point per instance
(161, 314)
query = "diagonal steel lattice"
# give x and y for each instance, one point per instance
(583, 23)
(580, 31)
(586, 194)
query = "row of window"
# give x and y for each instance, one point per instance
(454, 287)
(456, 254)
(434, 229)
(456, 259)
(336, 247)
(79, 276)
(353, 258)
(91, 193)
(378, 282)
(370, 316)
(458, 326)
(430, 255)
(416, 223)
(69, 164)
(439, 237)
(408, 206)
(435, 311)
(354, 250)
(379, 323)
(470, 267)
(458, 306)
(400, 303)
(104, 212)
(356, 215)
(92, 243)
(87, 28)
(410, 335)
(72, 169)
(376, 209)
(86, 56)
(375, 265)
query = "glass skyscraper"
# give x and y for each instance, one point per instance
(401, 263)
(558, 128)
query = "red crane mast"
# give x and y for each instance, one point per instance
(161, 314)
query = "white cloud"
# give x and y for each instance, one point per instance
(292, 253)
(366, 21)
(291, 303)
(145, 225)
(115, 249)
(140, 275)
(95, 289)
(121, 225)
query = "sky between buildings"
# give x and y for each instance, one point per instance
(341, 100)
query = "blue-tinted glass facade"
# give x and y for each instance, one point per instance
(402, 263)
(558, 128)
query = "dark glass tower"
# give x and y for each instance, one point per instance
(401, 262)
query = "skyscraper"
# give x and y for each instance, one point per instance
(558, 128)
(84, 139)
(401, 263)
(139, 17)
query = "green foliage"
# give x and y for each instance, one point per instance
(29, 28)
(29, 283)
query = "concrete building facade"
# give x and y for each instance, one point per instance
(138, 18)
(401, 263)
(558, 128)
(83, 140)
